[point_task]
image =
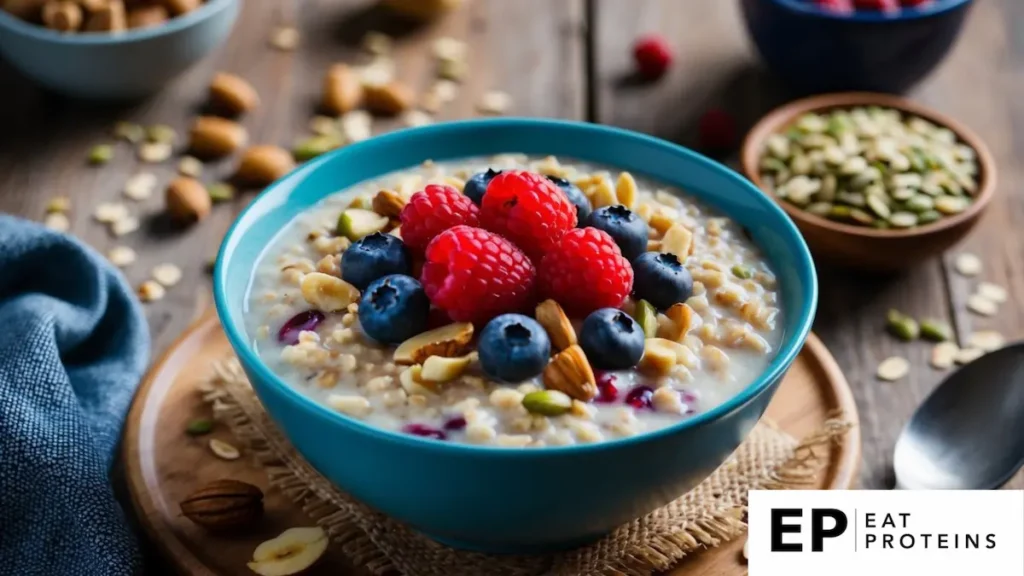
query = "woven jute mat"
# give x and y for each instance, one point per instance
(707, 516)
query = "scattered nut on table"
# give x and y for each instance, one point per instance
(223, 450)
(224, 504)
(232, 94)
(262, 164)
(215, 137)
(893, 368)
(187, 200)
(292, 552)
(167, 274)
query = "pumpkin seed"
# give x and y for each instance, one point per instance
(902, 194)
(878, 206)
(928, 217)
(820, 208)
(950, 204)
(903, 219)
(861, 217)
(935, 330)
(920, 203)
(852, 198)
(903, 327)
(881, 224)
(547, 402)
(199, 426)
(742, 271)
(101, 154)
(839, 212)
(220, 191)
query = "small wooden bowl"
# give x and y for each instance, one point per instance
(860, 247)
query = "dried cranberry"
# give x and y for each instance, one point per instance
(301, 322)
(688, 396)
(607, 392)
(881, 5)
(455, 423)
(836, 6)
(425, 431)
(640, 397)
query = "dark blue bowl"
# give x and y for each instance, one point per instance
(815, 51)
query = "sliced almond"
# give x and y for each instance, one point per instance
(328, 293)
(448, 341)
(140, 186)
(223, 450)
(412, 381)
(659, 357)
(944, 355)
(993, 292)
(602, 194)
(987, 340)
(342, 90)
(351, 404)
(893, 368)
(570, 372)
(388, 203)
(968, 355)
(626, 190)
(683, 320)
(678, 240)
(167, 274)
(214, 137)
(441, 369)
(388, 99)
(981, 305)
(558, 326)
(121, 256)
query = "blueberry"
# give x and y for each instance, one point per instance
(661, 279)
(372, 257)
(627, 229)
(393, 309)
(477, 185)
(611, 339)
(576, 196)
(513, 348)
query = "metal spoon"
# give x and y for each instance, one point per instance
(969, 433)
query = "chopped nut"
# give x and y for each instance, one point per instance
(151, 291)
(968, 264)
(441, 369)
(413, 384)
(981, 305)
(987, 340)
(415, 118)
(190, 166)
(295, 550)
(569, 371)
(214, 137)
(109, 213)
(355, 406)
(993, 292)
(678, 240)
(968, 355)
(494, 102)
(626, 190)
(448, 341)
(943, 355)
(121, 256)
(558, 326)
(328, 293)
(167, 274)
(140, 186)
(108, 17)
(285, 38)
(261, 165)
(893, 368)
(186, 200)
(357, 125)
(342, 90)
(223, 450)
(155, 152)
(232, 94)
(388, 203)
(179, 7)
(124, 226)
(667, 399)
(683, 320)
(57, 221)
(659, 358)
(388, 99)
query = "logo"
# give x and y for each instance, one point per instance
(878, 533)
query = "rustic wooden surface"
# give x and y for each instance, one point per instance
(565, 58)
(163, 465)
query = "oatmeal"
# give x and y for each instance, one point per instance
(417, 303)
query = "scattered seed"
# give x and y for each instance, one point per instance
(742, 271)
(448, 48)
(993, 292)
(129, 131)
(893, 368)
(124, 226)
(987, 340)
(121, 256)
(968, 264)
(903, 327)
(161, 134)
(446, 90)
(377, 73)
(151, 291)
(167, 274)
(155, 152)
(377, 43)
(190, 166)
(223, 450)
(221, 191)
(101, 154)
(199, 426)
(980, 305)
(110, 212)
(58, 204)
(494, 102)
(285, 38)
(968, 355)
(140, 186)
(935, 330)
(324, 126)
(943, 355)
(314, 146)
(416, 118)
(357, 125)
(57, 221)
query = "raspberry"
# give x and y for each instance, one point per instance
(836, 6)
(586, 271)
(882, 5)
(433, 210)
(528, 209)
(653, 56)
(475, 275)
(716, 131)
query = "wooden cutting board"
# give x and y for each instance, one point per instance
(164, 464)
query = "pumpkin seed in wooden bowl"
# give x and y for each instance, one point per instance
(873, 181)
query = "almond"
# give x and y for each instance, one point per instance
(388, 99)
(224, 504)
(213, 137)
(110, 18)
(62, 15)
(145, 16)
(388, 203)
(261, 165)
(626, 190)
(570, 372)
(328, 293)
(343, 91)
(187, 200)
(447, 341)
(551, 316)
(232, 94)
(412, 381)
(683, 320)
(661, 222)
(179, 7)
(441, 369)
(678, 240)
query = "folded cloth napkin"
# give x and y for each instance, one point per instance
(73, 344)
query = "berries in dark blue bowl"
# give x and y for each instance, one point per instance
(393, 309)
(627, 229)
(661, 279)
(372, 257)
(611, 339)
(576, 196)
(476, 186)
(513, 348)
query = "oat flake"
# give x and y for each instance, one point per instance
(987, 340)
(121, 256)
(968, 264)
(968, 355)
(125, 225)
(494, 102)
(943, 355)
(57, 221)
(167, 274)
(993, 292)
(982, 305)
(140, 186)
(893, 368)
(110, 212)
(285, 38)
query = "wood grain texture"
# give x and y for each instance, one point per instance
(980, 84)
(164, 465)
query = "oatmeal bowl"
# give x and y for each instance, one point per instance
(515, 335)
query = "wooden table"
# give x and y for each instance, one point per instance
(559, 58)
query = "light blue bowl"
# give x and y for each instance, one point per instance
(122, 66)
(514, 500)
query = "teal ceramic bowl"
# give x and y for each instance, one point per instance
(121, 66)
(527, 499)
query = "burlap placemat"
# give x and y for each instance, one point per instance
(707, 516)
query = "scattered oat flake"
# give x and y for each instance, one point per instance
(377, 73)
(121, 256)
(981, 305)
(324, 126)
(968, 264)
(448, 48)
(110, 212)
(223, 450)
(987, 340)
(968, 355)
(167, 274)
(154, 152)
(377, 43)
(357, 125)
(190, 166)
(943, 355)
(416, 118)
(993, 292)
(58, 204)
(446, 90)
(140, 186)
(893, 368)
(57, 221)
(285, 38)
(151, 291)
(494, 102)
(125, 225)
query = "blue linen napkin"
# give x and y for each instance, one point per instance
(73, 345)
